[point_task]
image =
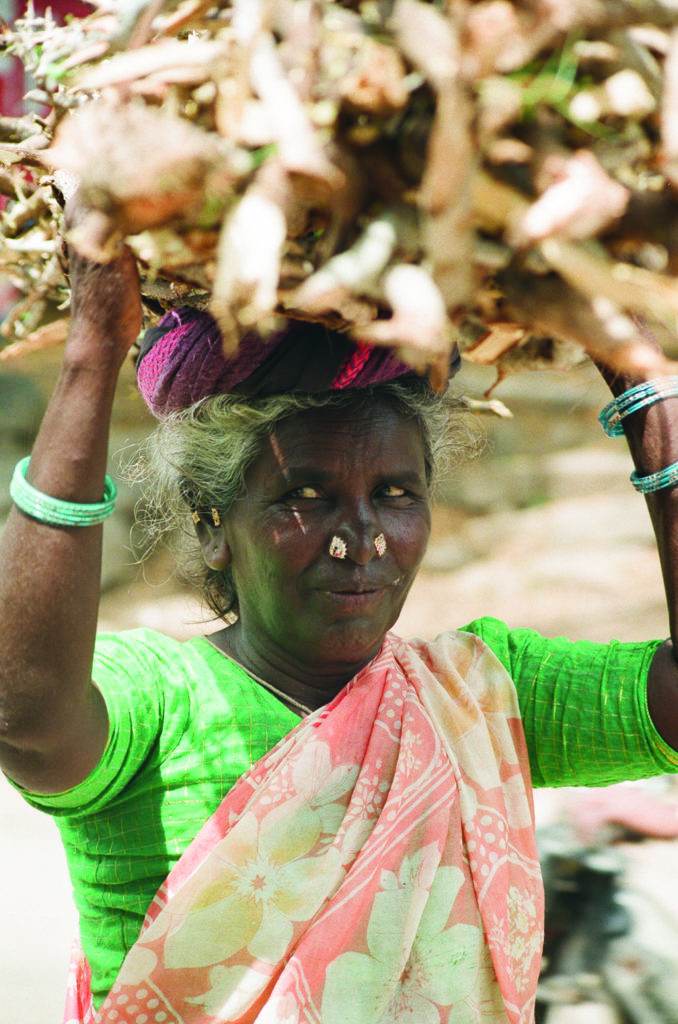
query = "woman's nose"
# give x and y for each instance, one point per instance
(359, 533)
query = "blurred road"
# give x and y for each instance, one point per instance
(38, 920)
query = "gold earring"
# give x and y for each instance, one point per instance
(195, 516)
(216, 518)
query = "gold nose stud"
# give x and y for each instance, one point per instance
(380, 545)
(337, 547)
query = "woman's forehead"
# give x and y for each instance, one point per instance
(331, 439)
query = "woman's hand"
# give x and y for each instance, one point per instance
(105, 301)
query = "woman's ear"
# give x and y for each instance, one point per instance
(213, 544)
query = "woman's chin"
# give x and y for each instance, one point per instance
(351, 641)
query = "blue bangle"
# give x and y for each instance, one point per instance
(636, 398)
(56, 511)
(666, 477)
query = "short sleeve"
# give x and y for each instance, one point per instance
(131, 670)
(583, 705)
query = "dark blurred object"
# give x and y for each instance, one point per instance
(597, 966)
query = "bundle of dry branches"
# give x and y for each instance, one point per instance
(500, 173)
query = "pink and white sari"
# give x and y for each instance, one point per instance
(378, 866)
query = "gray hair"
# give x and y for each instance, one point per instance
(197, 459)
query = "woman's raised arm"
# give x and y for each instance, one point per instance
(652, 434)
(53, 723)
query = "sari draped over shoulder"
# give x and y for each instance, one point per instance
(378, 866)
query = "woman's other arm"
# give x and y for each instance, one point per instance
(652, 435)
(53, 722)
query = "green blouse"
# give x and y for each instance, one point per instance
(186, 722)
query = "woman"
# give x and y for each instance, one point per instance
(318, 820)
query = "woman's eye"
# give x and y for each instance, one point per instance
(305, 492)
(392, 491)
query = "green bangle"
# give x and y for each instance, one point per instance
(667, 477)
(54, 511)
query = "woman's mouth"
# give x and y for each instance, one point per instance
(356, 600)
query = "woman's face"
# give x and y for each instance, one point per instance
(354, 472)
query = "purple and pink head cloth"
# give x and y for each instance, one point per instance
(181, 360)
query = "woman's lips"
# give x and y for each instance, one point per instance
(355, 601)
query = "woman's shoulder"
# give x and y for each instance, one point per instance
(146, 667)
(140, 640)
(150, 650)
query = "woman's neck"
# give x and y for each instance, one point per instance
(310, 685)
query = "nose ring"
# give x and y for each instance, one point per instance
(339, 550)
(337, 547)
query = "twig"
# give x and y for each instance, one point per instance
(501, 338)
(300, 24)
(594, 275)
(669, 113)
(12, 184)
(33, 303)
(34, 154)
(21, 213)
(354, 270)
(631, 288)
(89, 53)
(610, 14)
(185, 14)
(141, 30)
(40, 246)
(47, 336)
(298, 145)
(554, 308)
(162, 56)
(430, 41)
(249, 253)
(18, 129)
(493, 406)
(418, 327)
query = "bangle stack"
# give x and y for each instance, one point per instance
(55, 511)
(666, 477)
(641, 397)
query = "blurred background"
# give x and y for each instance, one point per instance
(543, 530)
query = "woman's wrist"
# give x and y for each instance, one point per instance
(91, 351)
(645, 411)
(619, 383)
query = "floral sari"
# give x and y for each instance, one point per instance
(378, 866)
